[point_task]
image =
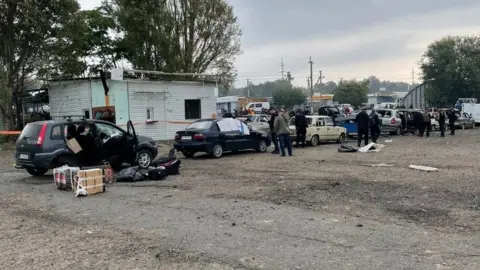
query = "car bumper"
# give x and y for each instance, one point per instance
(37, 161)
(389, 128)
(193, 147)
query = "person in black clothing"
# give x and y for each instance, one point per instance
(362, 121)
(273, 114)
(419, 123)
(451, 121)
(374, 126)
(441, 122)
(301, 128)
(403, 121)
(227, 115)
(427, 119)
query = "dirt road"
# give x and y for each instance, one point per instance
(317, 210)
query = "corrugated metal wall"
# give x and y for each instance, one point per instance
(69, 98)
(168, 102)
(416, 97)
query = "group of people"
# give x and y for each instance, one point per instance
(280, 130)
(371, 124)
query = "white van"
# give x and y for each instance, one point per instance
(258, 106)
(473, 110)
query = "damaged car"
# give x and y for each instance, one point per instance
(50, 144)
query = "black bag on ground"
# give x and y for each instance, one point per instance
(130, 174)
(157, 174)
(171, 163)
(347, 149)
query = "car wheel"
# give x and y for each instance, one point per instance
(342, 138)
(262, 146)
(217, 151)
(36, 171)
(144, 158)
(314, 141)
(188, 154)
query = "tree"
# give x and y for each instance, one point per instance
(451, 66)
(352, 92)
(289, 97)
(329, 87)
(289, 77)
(178, 36)
(374, 84)
(27, 28)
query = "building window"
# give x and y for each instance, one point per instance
(150, 114)
(192, 109)
(86, 113)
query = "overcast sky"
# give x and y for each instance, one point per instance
(348, 39)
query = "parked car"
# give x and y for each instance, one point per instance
(391, 121)
(320, 129)
(464, 120)
(258, 121)
(42, 145)
(205, 136)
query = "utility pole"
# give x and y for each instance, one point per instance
(248, 88)
(311, 84)
(282, 69)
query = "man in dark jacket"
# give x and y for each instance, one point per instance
(273, 114)
(451, 121)
(362, 121)
(301, 128)
(403, 121)
(441, 122)
(375, 124)
(419, 123)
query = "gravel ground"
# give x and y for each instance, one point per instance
(317, 210)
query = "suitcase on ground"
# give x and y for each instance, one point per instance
(156, 174)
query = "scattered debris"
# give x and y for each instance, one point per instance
(371, 148)
(388, 141)
(234, 224)
(359, 225)
(423, 168)
(379, 165)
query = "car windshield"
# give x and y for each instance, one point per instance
(200, 125)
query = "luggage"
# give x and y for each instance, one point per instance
(130, 174)
(347, 149)
(89, 182)
(63, 177)
(171, 163)
(156, 174)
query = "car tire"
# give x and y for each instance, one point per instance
(144, 158)
(217, 151)
(36, 171)
(315, 140)
(342, 138)
(188, 154)
(262, 146)
(64, 160)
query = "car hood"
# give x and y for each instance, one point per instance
(144, 139)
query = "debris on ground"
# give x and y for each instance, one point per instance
(423, 168)
(379, 165)
(371, 148)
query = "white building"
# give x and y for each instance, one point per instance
(157, 108)
(229, 104)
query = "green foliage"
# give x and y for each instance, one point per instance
(375, 85)
(289, 97)
(451, 66)
(27, 30)
(183, 36)
(352, 92)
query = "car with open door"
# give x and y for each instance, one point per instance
(216, 136)
(43, 145)
(320, 129)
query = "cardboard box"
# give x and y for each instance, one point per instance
(74, 146)
(90, 180)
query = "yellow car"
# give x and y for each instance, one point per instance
(320, 129)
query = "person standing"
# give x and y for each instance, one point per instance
(362, 121)
(301, 128)
(451, 121)
(419, 123)
(374, 126)
(273, 115)
(403, 121)
(282, 129)
(441, 122)
(427, 120)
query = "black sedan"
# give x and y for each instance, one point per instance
(205, 136)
